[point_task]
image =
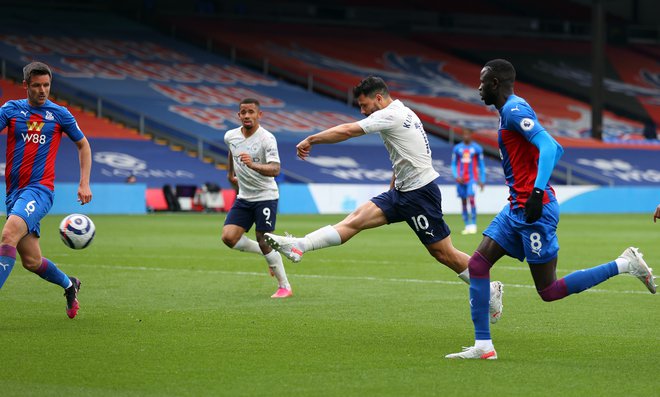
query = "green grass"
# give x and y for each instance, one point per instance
(167, 310)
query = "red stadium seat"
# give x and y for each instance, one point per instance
(229, 195)
(156, 200)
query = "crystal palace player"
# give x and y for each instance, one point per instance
(526, 227)
(35, 127)
(468, 169)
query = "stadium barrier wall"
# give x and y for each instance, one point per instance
(108, 198)
(344, 198)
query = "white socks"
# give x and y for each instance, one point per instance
(465, 276)
(247, 245)
(623, 265)
(274, 260)
(326, 236)
(485, 345)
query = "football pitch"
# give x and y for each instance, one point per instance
(168, 310)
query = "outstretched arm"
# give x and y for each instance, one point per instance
(85, 159)
(335, 134)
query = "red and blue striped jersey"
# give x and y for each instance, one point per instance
(467, 162)
(33, 138)
(520, 158)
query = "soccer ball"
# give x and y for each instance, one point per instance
(77, 231)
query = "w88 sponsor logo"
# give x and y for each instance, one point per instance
(34, 138)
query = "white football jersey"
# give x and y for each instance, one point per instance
(262, 146)
(406, 142)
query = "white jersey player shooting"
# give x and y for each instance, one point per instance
(413, 196)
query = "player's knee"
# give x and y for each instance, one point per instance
(478, 266)
(30, 263)
(9, 237)
(229, 240)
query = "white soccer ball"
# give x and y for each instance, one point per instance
(77, 231)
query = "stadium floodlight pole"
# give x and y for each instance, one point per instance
(597, 68)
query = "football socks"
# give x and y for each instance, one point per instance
(49, 272)
(326, 236)
(7, 260)
(480, 295)
(274, 260)
(245, 244)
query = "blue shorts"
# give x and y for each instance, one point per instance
(31, 203)
(465, 190)
(262, 214)
(420, 208)
(537, 242)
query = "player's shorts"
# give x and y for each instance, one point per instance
(420, 208)
(537, 242)
(31, 203)
(465, 190)
(262, 214)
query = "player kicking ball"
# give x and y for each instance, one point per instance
(526, 227)
(414, 197)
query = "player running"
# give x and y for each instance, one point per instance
(254, 162)
(34, 130)
(468, 169)
(526, 227)
(413, 197)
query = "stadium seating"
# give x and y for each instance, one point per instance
(92, 126)
(565, 67)
(440, 86)
(119, 151)
(191, 95)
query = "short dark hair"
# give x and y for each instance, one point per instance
(36, 69)
(502, 69)
(371, 86)
(247, 101)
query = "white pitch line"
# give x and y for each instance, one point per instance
(326, 277)
(246, 258)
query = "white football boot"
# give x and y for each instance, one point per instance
(285, 245)
(473, 352)
(639, 268)
(495, 304)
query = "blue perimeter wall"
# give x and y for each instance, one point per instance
(108, 198)
(334, 198)
(120, 198)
